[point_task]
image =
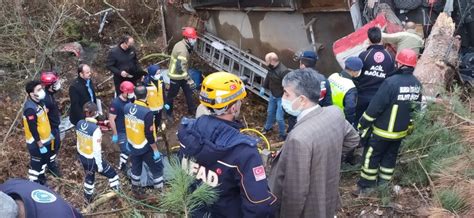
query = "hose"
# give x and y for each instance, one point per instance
(260, 135)
(242, 131)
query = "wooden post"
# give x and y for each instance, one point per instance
(439, 61)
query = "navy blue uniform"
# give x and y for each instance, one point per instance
(54, 116)
(39, 201)
(116, 108)
(378, 64)
(389, 115)
(230, 162)
(37, 128)
(140, 135)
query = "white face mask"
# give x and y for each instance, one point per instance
(192, 42)
(41, 94)
(57, 86)
(131, 96)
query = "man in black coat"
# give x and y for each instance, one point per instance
(123, 63)
(80, 92)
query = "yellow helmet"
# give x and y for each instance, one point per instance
(221, 89)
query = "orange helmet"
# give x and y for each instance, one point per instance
(189, 32)
(407, 57)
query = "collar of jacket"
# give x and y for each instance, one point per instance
(345, 74)
(81, 80)
(141, 103)
(308, 116)
(188, 46)
(404, 70)
(378, 47)
(90, 119)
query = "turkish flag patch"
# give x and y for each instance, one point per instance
(259, 173)
(31, 117)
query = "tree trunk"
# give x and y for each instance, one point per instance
(438, 63)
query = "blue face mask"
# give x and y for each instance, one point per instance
(288, 107)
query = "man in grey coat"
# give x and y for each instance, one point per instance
(305, 173)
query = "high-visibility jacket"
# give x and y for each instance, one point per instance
(390, 110)
(154, 98)
(339, 87)
(43, 126)
(178, 67)
(139, 126)
(89, 138)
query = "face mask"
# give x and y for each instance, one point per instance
(57, 86)
(96, 115)
(41, 94)
(192, 42)
(288, 107)
(270, 66)
(131, 96)
(358, 73)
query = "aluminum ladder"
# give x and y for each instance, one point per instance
(225, 57)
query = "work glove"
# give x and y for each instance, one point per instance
(191, 84)
(262, 91)
(156, 155)
(114, 139)
(167, 107)
(43, 150)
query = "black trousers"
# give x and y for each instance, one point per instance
(38, 162)
(155, 166)
(175, 85)
(90, 168)
(379, 159)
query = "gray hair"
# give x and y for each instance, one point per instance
(305, 82)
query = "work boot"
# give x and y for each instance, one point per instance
(282, 138)
(89, 197)
(139, 193)
(361, 192)
(266, 131)
(54, 170)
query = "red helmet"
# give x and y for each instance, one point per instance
(407, 57)
(49, 78)
(126, 87)
(189, 32)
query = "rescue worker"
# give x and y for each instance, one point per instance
(117, 122)
(343, 91)
(52, 84)
(155, 93)
(81, 91)
(122, 61)
(37, 132)
(23, 198)
(276, 72)
(378, 63)
(89, 148)
(215, 152)
(141, 139)
(388, 115)
(308, 59)
(408, 38)
(178, 71)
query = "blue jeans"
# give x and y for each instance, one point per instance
(275, 110)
